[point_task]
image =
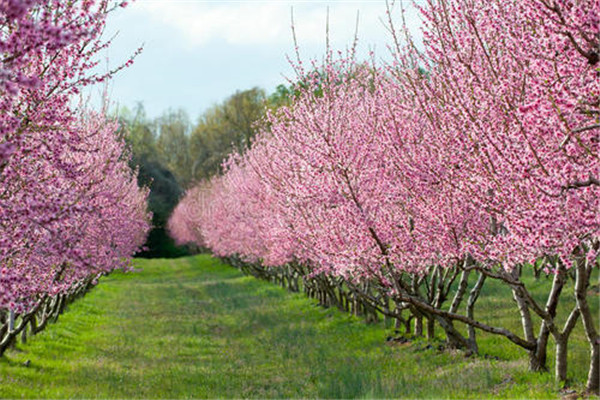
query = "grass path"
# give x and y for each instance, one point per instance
(192, 327)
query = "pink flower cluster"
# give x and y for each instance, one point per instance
(485, 143)
(70, 207)
(475, 153)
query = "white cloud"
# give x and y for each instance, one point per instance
(266, 22)
(197, 52)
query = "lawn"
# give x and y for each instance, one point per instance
(193, 327)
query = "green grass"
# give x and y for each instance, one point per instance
(193, 327)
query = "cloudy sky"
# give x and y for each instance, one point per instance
(197, 52)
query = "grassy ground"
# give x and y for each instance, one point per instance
(192, 327)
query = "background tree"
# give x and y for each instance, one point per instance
(149, 156)
(172, 144)
(172, 154)
(225, 128)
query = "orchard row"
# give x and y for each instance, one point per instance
(404, 186)
(70, 206)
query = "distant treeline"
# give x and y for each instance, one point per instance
(171, 152)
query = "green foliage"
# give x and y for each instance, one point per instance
(195, 152)
(156, 152)
(282, 96)
(173, 141)
(163, 141)
(225, 128)
(139, 133)
(195, 328)
(172, 154)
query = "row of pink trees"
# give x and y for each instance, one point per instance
(409, 185)
(70, 207)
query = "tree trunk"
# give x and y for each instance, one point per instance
(593, 382)
(582, 279)
(538, 360)
(430, 328)
(11, 321)
(460, 292)
(11, 329)
(526, 322)
(473, 296)
(24, 336)
(561, 360)
(418, 325)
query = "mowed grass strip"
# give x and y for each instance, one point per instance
(195, 328)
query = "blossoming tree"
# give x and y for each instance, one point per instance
(474, 155)
(70, 208)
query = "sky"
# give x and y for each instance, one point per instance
(196, 53)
